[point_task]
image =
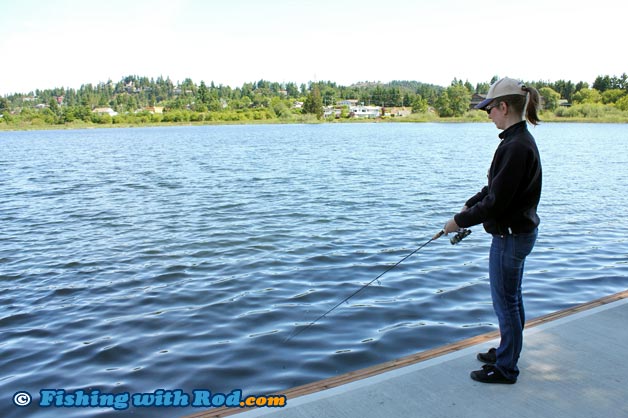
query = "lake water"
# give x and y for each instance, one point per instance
(183, 257)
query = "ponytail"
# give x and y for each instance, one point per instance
(533, 101)
(525, 105)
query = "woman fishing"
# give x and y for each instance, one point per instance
(507, 208)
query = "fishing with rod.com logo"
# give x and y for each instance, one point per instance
(161, 398)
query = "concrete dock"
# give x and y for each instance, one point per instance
(574, 364)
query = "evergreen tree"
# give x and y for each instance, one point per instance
(469, 87)
(566, 89)
(482, 88)
(602, 83)
(314, 103)
(202, 94)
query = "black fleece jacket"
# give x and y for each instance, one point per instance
(512, 196)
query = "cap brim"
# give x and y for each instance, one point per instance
(483, 104)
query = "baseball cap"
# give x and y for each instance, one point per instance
(504, 87)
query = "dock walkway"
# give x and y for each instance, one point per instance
(574, 364)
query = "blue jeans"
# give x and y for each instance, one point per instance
(506, 261)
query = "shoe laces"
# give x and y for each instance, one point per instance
(489, 367)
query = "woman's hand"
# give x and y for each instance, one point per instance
(451, 226)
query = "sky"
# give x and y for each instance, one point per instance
(67, 43)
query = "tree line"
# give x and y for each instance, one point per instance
(187, 101)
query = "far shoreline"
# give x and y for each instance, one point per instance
(305, 121)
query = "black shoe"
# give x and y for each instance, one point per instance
(490, 374)
(489, 357)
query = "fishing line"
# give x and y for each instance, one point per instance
(462, 233)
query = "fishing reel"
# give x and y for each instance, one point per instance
(460, 235)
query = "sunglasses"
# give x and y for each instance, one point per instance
(489, 108)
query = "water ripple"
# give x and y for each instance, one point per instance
(128, 268)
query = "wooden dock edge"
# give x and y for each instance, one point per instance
(411, 359)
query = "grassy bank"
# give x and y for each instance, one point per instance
(579, 113)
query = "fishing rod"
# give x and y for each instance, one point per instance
(460, 235)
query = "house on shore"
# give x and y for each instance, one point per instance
(347, 102)
(397, 111)
(155, 109)
(365, 111)
(105, 111)
(332, 111)
(476, 99)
